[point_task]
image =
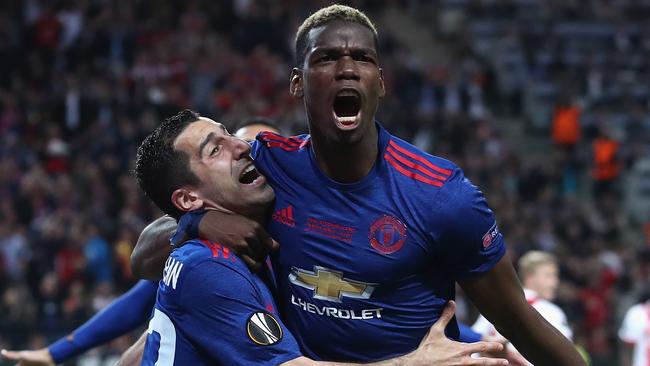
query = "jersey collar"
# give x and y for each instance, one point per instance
(383, 139)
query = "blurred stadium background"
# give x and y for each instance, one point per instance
(545, 104)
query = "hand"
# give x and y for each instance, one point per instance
(509, 353)
(40, 357)
(244, 236)
(437, 349)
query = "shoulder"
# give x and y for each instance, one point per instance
(198, 250)
(419, 165)
(203, 260)
(637, 313)
(270, 140)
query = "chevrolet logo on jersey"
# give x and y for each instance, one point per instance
(330, 285)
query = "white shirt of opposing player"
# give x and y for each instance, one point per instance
(636, 330)
(549, 311)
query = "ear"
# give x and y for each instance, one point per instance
(382, 92)
(186, 200)
(295, 83)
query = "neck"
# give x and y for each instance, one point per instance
(346, 162)
(257, 215)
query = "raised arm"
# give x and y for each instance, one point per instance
(152, 249)
(127, 312)
(499, 297)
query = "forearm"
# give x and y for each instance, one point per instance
(499, 297)
(123, 315)
(152, 249)
(539, 341)
(133, 355)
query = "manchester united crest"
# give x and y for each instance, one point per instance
(387, 234)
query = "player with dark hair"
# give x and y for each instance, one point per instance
(210, 308)
(374, 232)
(131, 309)
(250, 127)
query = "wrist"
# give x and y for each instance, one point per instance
(188, 227)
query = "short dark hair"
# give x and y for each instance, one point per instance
(324, 16)
(257, 121)
(159, 168)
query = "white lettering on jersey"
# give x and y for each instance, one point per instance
(171, 272)
(333, 312)
(161, 324)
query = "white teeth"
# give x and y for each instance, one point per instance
(347, 119)
(249, 169)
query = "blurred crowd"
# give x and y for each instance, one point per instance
(84, 81)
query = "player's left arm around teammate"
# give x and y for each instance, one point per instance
(498, 295)
(244, 236)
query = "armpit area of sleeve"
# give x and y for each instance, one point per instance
(282, 359)
(485, 262)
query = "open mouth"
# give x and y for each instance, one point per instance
(249, 175)
(347, 108)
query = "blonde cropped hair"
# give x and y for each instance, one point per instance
(532, 260)
(324, 16)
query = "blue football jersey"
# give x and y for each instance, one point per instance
(211, 310)
(366, 268)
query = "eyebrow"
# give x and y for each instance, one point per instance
(205, 141)
(339, 49)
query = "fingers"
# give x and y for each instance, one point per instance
(445, 317)
(260, 243)
(274, 245)
(10, 355)
(253, 264)
(482, 361)
(484, 347)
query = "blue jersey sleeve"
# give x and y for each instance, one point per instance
(123, 315)
(467, 335)
(469, 232)
(229, 320)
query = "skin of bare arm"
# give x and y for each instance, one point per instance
(40, 357)
(133, 355)
(153, 248)
(498, 295)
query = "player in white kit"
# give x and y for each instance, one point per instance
(635, 334)
(538, 272)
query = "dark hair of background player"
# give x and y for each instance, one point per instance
(326, 15)
(159, 168)
(250, 121)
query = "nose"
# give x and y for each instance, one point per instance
(241, 148)
(346, 68)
